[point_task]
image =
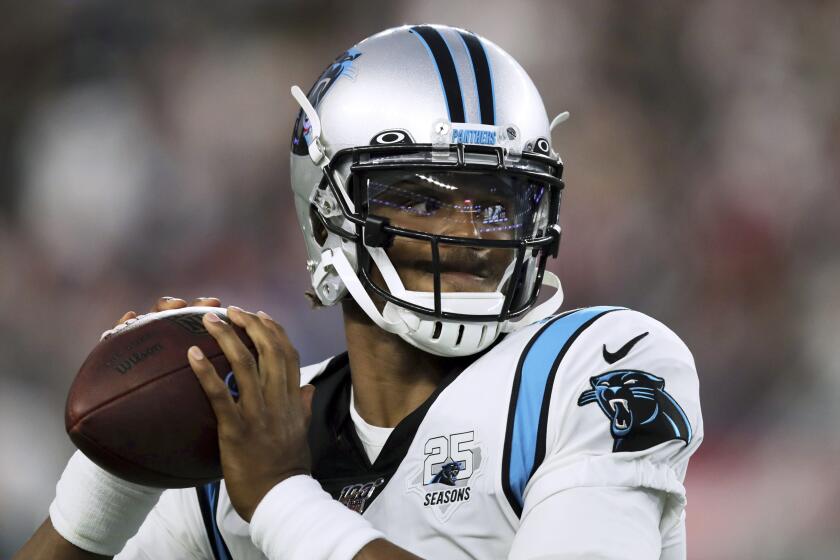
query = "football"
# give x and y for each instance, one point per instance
(136, 408)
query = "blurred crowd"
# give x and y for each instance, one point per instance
(144, 152)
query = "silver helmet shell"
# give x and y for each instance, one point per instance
(465, 101)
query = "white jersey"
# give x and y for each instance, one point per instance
(570, 436)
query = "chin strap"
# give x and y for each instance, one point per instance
(398, 325)
(338, 260)
(544, 309)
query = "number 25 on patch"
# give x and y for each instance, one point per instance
(448, 459)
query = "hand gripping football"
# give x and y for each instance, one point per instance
(136, 408)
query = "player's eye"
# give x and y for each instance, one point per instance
(630, 381)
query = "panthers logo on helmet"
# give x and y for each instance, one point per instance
(341, 66)
(642, 414)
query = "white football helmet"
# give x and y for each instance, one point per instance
(427, 188)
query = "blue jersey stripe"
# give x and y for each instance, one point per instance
(541, 360)
(208, 501)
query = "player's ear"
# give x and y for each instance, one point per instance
(319, 232)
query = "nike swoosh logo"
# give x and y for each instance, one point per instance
(612, 357)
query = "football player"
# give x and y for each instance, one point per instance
(466, 419)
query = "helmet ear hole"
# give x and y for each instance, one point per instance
(319, 232)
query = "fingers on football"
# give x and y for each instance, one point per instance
(216, 390)
(241, 360)
(290, 381)
(126, 317)
(272, 361)
(277, 356)
(206, 302)
(165, 303)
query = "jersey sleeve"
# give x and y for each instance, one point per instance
(592, 522)
(173, 529)
(618, 420)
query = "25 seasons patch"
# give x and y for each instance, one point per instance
(450, 464)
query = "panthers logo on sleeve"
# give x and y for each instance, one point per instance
(642, 414)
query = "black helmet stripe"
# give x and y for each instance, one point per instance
(439, 51)
(483, 77)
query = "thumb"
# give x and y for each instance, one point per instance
(307, 393)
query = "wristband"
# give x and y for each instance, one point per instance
(96, 510)
(297, 520)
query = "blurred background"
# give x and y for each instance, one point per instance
(144, 152)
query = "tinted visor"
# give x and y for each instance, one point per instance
(479, 231)
(476, 205)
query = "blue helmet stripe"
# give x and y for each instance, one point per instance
(440, 54)
(483, 77)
